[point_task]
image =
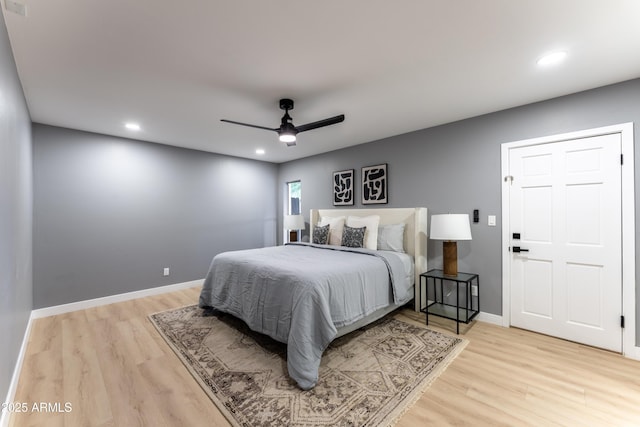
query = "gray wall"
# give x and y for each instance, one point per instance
(16, 202)
(456, 168)
(111, 213)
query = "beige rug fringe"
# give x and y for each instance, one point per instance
(442, 366)
(185, 362)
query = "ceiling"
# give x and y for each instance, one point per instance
(391, 67)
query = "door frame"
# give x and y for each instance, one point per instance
(625, 130)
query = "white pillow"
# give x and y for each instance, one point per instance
(371, 234)
(391, 237)
(336, 225)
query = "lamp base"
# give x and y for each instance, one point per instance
(450, 258)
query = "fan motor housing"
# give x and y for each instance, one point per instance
(286, 104)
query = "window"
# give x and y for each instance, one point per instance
(294, 189)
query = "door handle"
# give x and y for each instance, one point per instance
(519, 249)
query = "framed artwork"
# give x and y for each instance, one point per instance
(374, 184)
(343, 187)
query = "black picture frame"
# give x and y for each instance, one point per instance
(343, 187)
(375, 185)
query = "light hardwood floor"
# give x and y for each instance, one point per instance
(114, 369)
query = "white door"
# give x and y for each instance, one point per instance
(565, 203)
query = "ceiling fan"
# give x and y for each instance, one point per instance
(287, 131)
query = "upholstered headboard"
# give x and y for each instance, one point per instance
(415, 233)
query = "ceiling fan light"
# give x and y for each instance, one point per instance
(287, 137)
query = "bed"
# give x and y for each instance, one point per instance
(306, 294)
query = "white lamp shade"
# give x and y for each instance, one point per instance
(293, 222)
(450, 227)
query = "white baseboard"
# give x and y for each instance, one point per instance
(82, 305)
(633, 353)
(490, 318)
(11, 394)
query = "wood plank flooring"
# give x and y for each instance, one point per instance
(113, 368)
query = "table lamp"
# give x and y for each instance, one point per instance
(450, 228)
(293, 223)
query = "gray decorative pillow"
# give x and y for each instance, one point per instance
(353, 237)
(391, 237)
(321, 234)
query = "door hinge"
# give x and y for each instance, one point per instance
(622, 159)
(508, 178)
(622, 322)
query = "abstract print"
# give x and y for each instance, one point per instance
(374, 184)
(343, 187)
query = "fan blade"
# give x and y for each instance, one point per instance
(247, 124)
(321, 123)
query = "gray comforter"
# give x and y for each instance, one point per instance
(299, 294)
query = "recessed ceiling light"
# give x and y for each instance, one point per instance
(552, 58)
(260, 151)
(132, 126)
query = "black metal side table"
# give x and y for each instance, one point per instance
(462, 311)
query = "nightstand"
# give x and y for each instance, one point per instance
(464, 310)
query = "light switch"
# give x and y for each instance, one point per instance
(16, 7)
(491, 220)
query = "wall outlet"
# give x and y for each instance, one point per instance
(474, 291)
(166, 271)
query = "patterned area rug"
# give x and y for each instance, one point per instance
(368, 377)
